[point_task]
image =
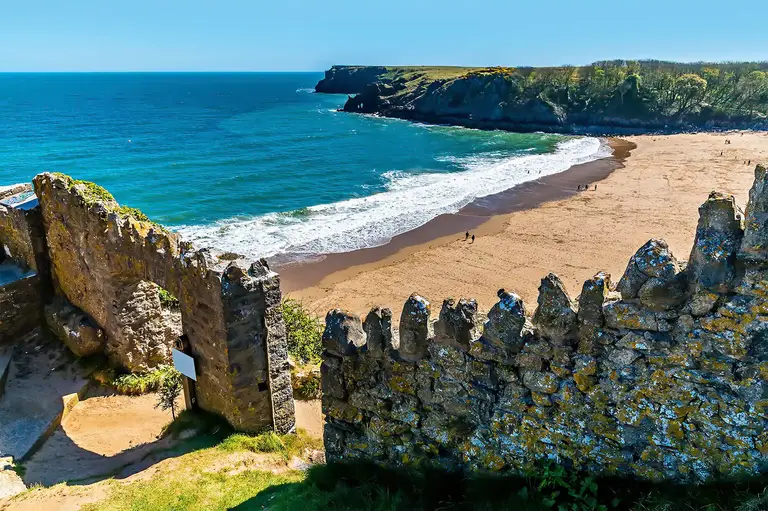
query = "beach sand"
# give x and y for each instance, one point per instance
(655, 195)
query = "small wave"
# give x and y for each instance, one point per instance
(410, 200)
(305, 89)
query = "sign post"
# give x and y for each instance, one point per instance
(185, 364)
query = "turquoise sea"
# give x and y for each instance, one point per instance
(257, 162)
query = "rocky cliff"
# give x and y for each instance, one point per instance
(349, 79)
(531, 100)
(661, 376)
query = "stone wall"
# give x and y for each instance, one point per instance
(107, 262)
(24, 281)
(20, 306)
(661, 377)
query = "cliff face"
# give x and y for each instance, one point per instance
(662, 376)
(505, 100)
(348, 79)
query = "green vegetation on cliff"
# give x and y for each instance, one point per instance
(633, 94)
(93, 193)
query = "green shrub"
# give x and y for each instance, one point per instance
(304, 332)
(168, 300)
(169, 391)
(134, 384)
(306, 381)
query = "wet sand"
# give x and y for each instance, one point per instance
(542, 226)
(477, 217)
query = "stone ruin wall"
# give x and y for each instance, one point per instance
(107, 266)
(661, 377)
(22, 243)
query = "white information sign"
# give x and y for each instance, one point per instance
(184, 364)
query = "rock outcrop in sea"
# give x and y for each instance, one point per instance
(501, 98)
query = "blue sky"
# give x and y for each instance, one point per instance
(294, 35)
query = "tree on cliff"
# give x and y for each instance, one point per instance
(689, 90)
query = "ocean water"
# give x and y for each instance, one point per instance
(258, 163)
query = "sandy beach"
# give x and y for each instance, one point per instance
(654, 194)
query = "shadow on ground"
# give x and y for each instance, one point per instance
(363, 486)
(109, 436)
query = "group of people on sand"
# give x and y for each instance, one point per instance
(466, 237)
(585, 187)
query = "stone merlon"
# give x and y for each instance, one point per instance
(663, 377)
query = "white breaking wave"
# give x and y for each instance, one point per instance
(409, 202)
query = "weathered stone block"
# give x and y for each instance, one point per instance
(20, 308)
(629, 316)
(652, 260)
(378, 331)
(542, 382)
(458, 321)
(594, 293)
(332, 377)
(414, 328)
(343, 333)
(754, 247)
(146, 331)
(712, 264)
(502, 332)
(555, 316)
(659, 295)
(75, 329)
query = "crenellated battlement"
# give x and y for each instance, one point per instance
(660, 376)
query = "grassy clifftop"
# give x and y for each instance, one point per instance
(609, 96)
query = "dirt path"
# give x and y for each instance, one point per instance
(309, 417)
(98, 438)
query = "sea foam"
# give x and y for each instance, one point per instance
(409, 202)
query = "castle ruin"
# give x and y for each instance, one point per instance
(96, 274)
(662, 376)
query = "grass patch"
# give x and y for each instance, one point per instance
(134, 384)
(287, 446)
(208, 480)
(133, 212)
(192, 490)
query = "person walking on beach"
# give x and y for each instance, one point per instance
(466, 236)
(595, 187)
(473, 238)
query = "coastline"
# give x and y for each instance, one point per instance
(656, 193)
(482, 217)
